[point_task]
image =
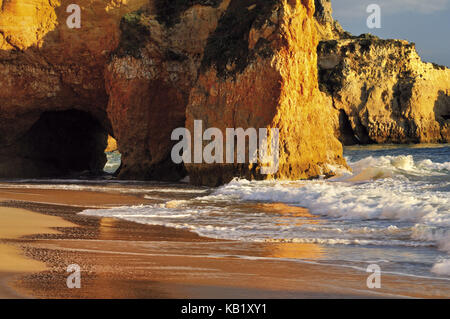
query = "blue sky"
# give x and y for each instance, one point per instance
(425, 22)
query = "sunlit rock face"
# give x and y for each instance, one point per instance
(383, 93)
(327, 27)
(139, 69)
(149, 79)
(259, 70)
(47, 67)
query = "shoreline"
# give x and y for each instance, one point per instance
(121, 259)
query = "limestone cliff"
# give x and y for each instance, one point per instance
(149, 79)
(47, 70)
(253, 65)
(383, 93)
(136, 70)
(327, 27)
(381, 90)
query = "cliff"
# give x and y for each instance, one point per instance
(149, 79)
(381, 90)
(52, 90)
(136, 70)
(259, 70)
(327, 28)
(384, 93)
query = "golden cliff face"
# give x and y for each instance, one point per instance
(383, 93)
(47, 67)
(149, 84)
(327, 28)
(137, 69)
(25, 23)
(272, 85)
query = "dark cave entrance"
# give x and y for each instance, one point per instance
(61, 144)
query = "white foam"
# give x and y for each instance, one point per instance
(372, 168)
(442, 267)
(386, 198)
(101, 186)
(383, 199)
(390, 201)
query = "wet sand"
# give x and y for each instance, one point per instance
(15, 223)
(120, 259)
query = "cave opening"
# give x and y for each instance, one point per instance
(59, 144)
(113, 157)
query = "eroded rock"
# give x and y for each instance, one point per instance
(383, 93)
(259, 70)
(47, 67)
(149, 79)
(327, 27)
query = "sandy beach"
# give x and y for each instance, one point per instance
(41, 235)
(15, 223)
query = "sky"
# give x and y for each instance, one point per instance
(424, 22)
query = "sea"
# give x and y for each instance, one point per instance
(391, 209)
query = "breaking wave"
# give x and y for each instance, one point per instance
(388, 201)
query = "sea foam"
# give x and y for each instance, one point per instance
(386, 201)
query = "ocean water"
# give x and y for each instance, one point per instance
(392, 209)
(113, 162)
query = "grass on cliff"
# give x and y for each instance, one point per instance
(135, 26)
(169, 11)
(227, 48)
(135, 31)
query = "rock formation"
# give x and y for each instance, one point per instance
(111, 145)
(259, 70)
(327, 27)
(381, 90)
(137, 69)
(149, 79)
(47, 68)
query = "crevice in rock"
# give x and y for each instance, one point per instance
(9, 41)
(362, 133)
(227, 48)
(347, 135)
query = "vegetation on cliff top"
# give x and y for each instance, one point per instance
(134, 27)
(227, 48)
(169, 11)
